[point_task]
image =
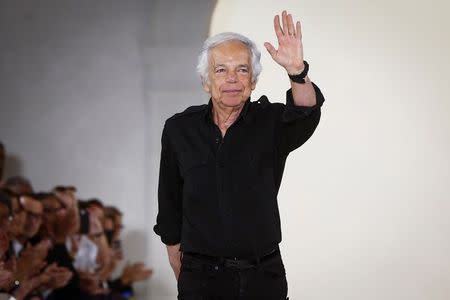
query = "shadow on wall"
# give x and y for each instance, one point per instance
(13, 166)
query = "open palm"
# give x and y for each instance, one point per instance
(290, 48)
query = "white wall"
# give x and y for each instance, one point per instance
(365, 203)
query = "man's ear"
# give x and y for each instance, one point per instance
(206, 88)
(253, 85)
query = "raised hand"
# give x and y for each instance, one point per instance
(290, 48)
(90, 284)
(56, 277)
(135, 272)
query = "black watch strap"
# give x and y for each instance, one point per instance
(300, 78)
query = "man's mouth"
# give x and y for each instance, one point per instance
(232, 91)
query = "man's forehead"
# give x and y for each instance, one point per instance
(230, 51)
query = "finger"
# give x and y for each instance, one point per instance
(291, 25)
(285, 22)
(299, 30)
(277, 27)
(148, 273)
(271, 49)
(42, 265)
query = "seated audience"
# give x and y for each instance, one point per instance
(55, 246)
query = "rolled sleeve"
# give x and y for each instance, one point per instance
(293, 112)
(298, 123)
(170, 188)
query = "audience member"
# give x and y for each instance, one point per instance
(54, 246)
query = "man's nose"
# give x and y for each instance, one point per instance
(231, 76)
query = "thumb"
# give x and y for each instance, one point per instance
(271, 49)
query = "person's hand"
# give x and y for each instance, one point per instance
(67, 197)
(28, 285)
(135, 272)
(57, 277)
(90, 284)
(31, 260)
(174, 253)
(66, 221)
(4, 242)
(6, 277)
(290, 48)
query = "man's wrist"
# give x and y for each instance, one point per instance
(296, 70)
(302, 76)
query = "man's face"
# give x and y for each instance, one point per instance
(53, 208)
(19, 217)
(229, 74)
(34, 210)
(4, 216)
(4, 226)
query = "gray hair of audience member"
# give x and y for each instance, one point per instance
(17, 180)
(203, 57)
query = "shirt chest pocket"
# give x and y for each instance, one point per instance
(194, 163)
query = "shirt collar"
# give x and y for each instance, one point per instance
(243, 114)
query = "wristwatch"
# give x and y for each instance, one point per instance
(300, 78)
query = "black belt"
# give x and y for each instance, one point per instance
(234, 262)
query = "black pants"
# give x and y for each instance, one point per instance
(206, 279)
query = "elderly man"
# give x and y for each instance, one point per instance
(221, 168)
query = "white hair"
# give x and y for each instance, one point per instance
(211, 42)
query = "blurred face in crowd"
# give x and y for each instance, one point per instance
(19, 216)
(53, 207)
(4, 226)
(96, 211)
(108, 224)
(4, 216)
(34, 210)
(118, 226)
(114, 242)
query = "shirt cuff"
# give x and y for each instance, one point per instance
(167, 238)
(294, 112)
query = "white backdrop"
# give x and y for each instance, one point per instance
(365, 203)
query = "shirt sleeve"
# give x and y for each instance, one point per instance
(170, 189)
(298, 123)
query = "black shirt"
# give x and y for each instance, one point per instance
(218, 196)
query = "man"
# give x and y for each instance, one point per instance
(221, 168)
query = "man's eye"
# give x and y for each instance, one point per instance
(220, 70)
(243, 70)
